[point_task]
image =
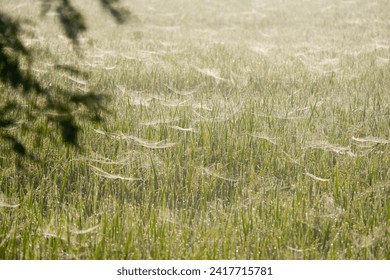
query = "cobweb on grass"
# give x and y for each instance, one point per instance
(213, 73)
(371, 139)
(141, 142)
(183, 129)
(212, 173)
(7, 203)
(326, 146)
(314, 177)
(102, 173)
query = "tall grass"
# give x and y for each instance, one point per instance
(251, 130)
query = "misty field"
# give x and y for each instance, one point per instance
(235, 130)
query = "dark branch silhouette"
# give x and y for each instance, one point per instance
(20, 85)
(120, 14)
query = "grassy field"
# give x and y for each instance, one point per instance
(237, 130)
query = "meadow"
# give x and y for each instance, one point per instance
(236, 130)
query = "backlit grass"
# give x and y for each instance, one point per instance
(249, 130)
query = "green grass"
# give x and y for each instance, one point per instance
(237, 131)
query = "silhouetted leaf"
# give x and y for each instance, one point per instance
(6, 123)
(9, 35)
(46, 6)
(90, 100)
(11, 50)
(8, 106)
(72, 21)
(119, 13)
(69, 130)
(16, 145)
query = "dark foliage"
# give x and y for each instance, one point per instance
(12, 51)
(71, 20)
(56, 104)
(120, 14)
